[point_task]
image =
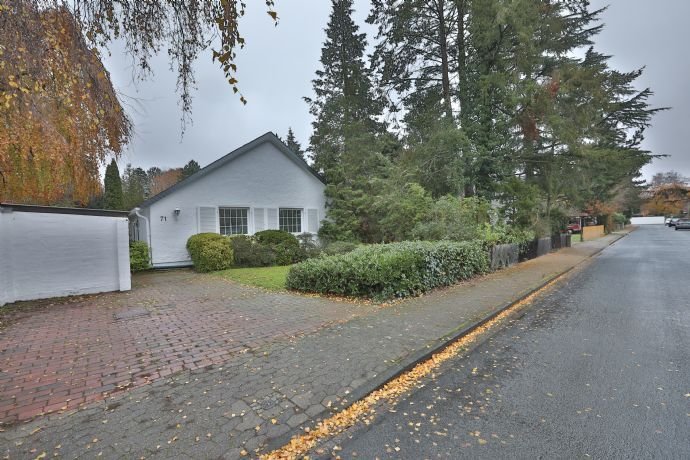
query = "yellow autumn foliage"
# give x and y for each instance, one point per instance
(51, 146)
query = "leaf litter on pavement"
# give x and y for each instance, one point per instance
(363, 410)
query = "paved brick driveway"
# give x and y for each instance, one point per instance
(62, 355)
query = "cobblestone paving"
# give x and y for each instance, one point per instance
(233, 409)
(61, 355)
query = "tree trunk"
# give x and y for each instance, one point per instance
(462, 63)
(445, 68)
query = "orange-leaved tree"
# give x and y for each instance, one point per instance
(165, 180)
(60, 117)
(667, 200)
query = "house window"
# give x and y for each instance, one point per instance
(290, 220)
(233, 221)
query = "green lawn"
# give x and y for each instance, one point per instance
(272, 278)
(575, 238)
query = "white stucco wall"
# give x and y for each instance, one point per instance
(45, 255)
(261, 179)
(652, 220)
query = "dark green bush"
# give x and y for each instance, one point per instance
(288, 254)
(210, 252)
(619, 218)
(339, 247)
(309, 245)
(518, 236)
(248, 252)
(283, 244)
(275, 237)
(454, 219)
(138, 256)
(390, 270)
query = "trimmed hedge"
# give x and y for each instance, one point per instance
(138, 256)
(390, 270)
(339, 247)
(275, 237)
(284, 245)
(210, 252)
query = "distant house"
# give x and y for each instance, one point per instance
(261, 185)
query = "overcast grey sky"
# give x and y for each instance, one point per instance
(278, 64)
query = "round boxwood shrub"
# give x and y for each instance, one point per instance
(274, 237)
(210, 252)
(248, 252)
(284, 245)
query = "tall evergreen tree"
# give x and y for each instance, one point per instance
(135, 185)
(112, 187)
(442, 62)
(345, 106)
(522, 106)
(349, 144)
(293, 144)
(414, 55)
(190, 168)
(580, 121)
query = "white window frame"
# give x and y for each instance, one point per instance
(250, 217)
(301, 220)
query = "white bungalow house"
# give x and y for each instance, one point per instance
(261, 185)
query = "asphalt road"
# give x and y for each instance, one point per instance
(597, 368)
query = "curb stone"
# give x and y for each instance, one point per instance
(432, 348)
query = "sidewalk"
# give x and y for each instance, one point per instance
(260, 397)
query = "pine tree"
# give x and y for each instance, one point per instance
(112, 188)
(190, 168)
(345, 106)
(349, 144)
(414, 56)
(135, 184)
(521, 105)
(437, 58)
(580, 122)
(293, 144)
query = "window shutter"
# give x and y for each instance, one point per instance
(312, 220)
(259, 220)
(272, 219)
(208, 219)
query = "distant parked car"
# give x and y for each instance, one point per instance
(672, 221)
(682, 224)
(574, 226)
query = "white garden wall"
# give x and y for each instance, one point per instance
(652, 220)
(53, 252)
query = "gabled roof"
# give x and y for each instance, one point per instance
(222, 161)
